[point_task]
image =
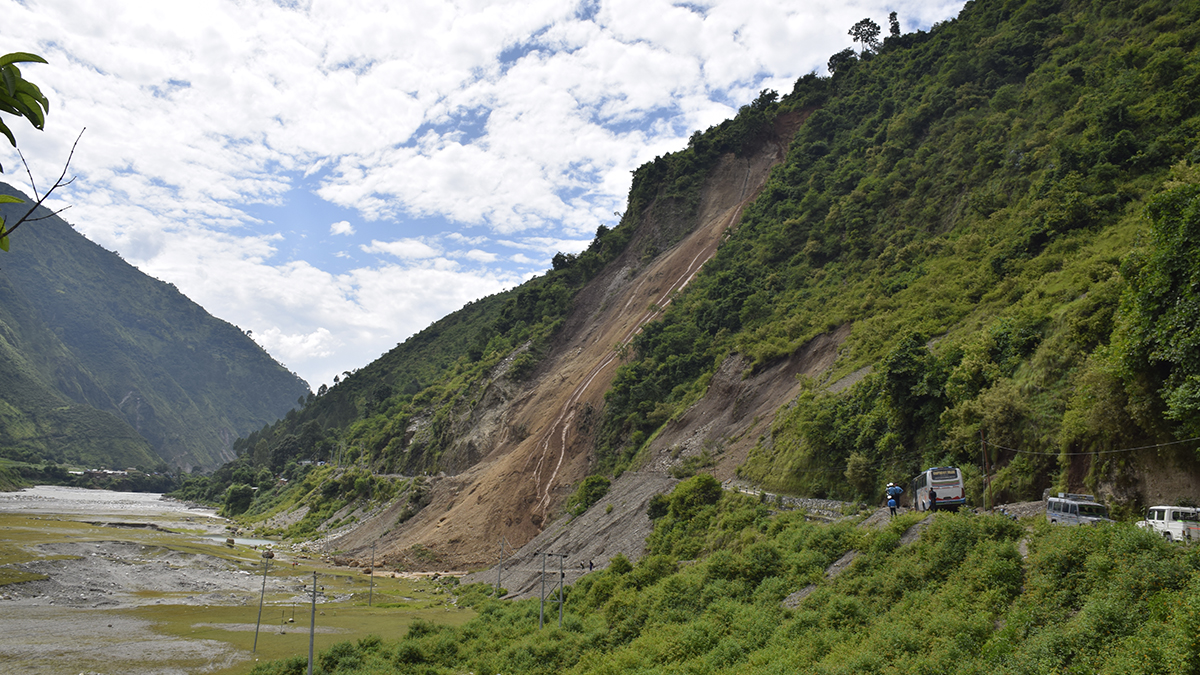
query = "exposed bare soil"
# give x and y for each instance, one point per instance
(124, 574)
(584, 543)
(524, 447)
(739, 407)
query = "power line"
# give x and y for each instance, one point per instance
(1093, 452)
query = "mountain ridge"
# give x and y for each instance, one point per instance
(85, 330)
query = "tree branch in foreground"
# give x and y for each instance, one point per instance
(62, 181)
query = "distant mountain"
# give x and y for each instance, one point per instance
(101, 364)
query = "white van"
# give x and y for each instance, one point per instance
(1075, 509)
(1174, 523)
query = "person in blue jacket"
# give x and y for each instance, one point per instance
(892, 505)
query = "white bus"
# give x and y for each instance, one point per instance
(1174, 523)
(947, 484)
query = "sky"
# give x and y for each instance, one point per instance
(334, 176)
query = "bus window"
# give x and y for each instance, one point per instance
(943, 474)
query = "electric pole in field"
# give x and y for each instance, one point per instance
(561, 576)
(312, 624)
(267, 555)
(500, 566)
(371, 594)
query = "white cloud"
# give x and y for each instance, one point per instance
(464, 239)
(480, 256)
(548, 245)
(341, 227)
(408, 249)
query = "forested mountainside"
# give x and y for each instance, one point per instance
(989, 229)
(101, 365)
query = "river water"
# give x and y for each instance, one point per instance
(53, 499)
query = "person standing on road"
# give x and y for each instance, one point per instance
(932, 499)
(893, 494)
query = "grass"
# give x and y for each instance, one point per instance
(19, 533)
(335, 622)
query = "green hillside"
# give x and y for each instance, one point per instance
(1004, 209)
(100, 364)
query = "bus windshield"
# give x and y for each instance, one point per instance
(940, 475)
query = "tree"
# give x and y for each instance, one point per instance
(23, 98)
(865, 32)
(590, 491)
(562, 261)
(894, 24)
(840, 59)
(238, 498)
(1158, 341)
(19, 96)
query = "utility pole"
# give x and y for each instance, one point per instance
(987, 479)
(500, 566)
(371, 594)
(561, 576)
(312, 624)
(267, 555)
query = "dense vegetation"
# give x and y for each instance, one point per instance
(1004, 209)
(157, 478)
(961, 599)
(101, 365)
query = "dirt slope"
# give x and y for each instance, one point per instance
(587, 542)
(737, 409)
(521, 450)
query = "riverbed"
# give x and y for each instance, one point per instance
(55, 499)
(94, 581)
